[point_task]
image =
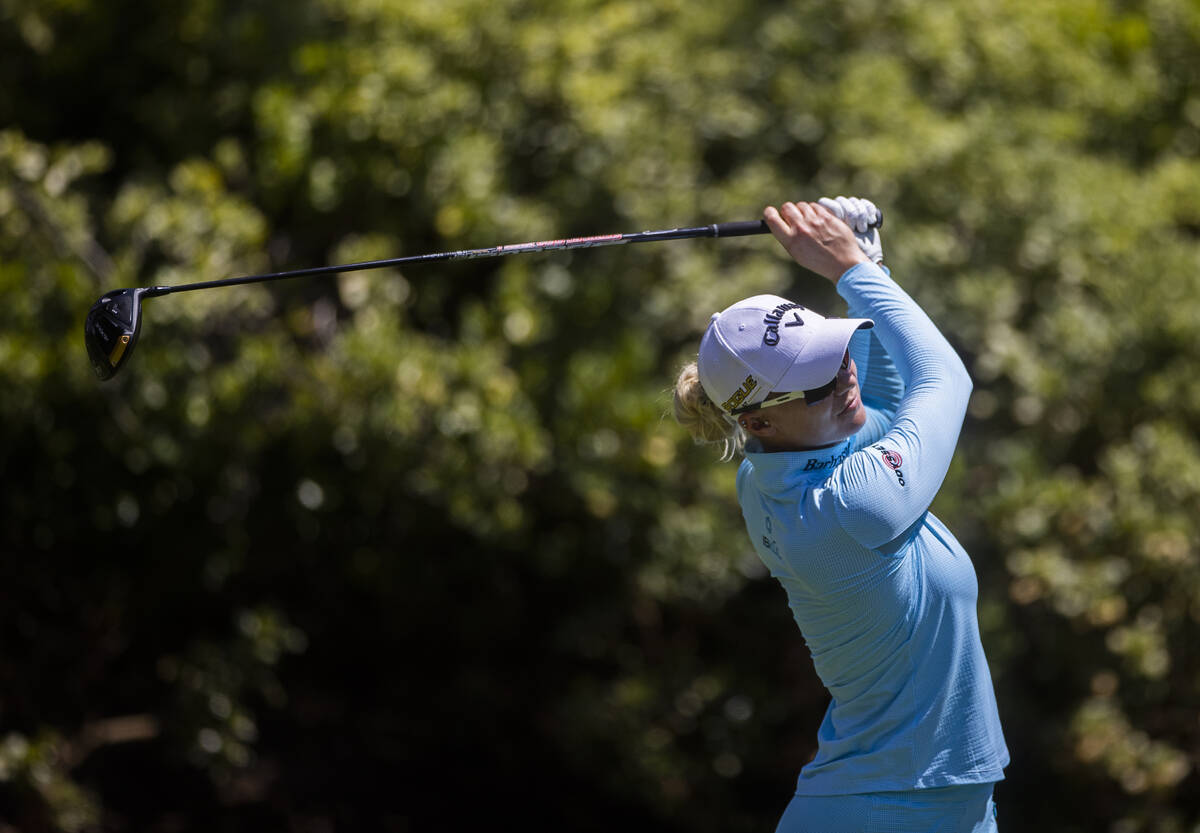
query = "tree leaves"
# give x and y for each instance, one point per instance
(458, 487)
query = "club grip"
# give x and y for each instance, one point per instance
(740, 229)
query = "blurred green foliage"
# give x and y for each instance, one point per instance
(331, 554)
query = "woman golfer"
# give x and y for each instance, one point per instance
(847, 426)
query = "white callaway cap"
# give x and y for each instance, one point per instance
(767, 343)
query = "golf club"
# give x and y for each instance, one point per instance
(115, 320)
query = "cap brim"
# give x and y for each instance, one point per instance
(822, 356)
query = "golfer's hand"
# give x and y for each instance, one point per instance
(815, 238)
(862, 216)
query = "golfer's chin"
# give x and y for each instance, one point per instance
(851, 416)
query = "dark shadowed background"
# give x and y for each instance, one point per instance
(423, 550)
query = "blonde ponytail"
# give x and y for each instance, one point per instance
(701, 417)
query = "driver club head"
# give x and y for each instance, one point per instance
(111, 329)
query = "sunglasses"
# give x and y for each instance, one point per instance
(811, 397)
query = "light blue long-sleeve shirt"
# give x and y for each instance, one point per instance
(883, 593)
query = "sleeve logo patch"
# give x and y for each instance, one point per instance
(893, 461)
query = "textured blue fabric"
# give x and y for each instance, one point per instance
(963, 809)
(884, 595)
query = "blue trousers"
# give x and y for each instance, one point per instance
(962, 809)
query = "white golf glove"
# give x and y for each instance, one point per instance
(863, 217)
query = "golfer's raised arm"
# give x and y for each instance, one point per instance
(886, 487)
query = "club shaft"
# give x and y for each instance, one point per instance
(736, 229)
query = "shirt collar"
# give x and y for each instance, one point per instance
(777, 472)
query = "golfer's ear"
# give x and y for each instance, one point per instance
(756, 425)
